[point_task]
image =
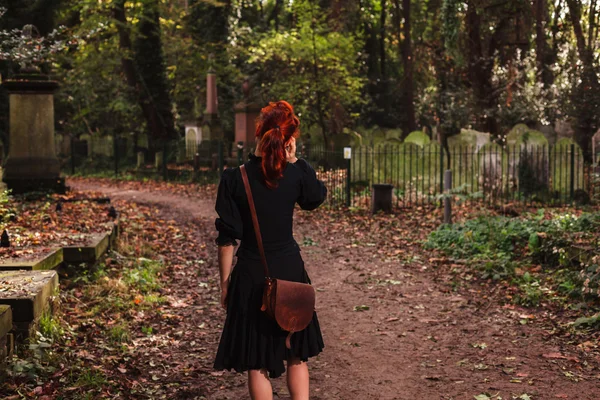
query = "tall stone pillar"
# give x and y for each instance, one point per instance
(246, 113)
(32, 164)
(211, 128)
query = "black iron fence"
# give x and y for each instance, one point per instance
(492, 174)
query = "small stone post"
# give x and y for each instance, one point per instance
(447, 198)
(158, 160)
(140, 159)
(382, 198)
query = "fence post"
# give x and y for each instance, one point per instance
(447, 198)
(348, 180)
(572, 183)
(196, 166)
(220, 157)
(116, 153)
(164, 164)
(441, 169)
(72, 155)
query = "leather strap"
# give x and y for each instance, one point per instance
(259, 241)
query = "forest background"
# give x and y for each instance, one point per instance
(128, 67)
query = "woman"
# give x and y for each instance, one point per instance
(251, 341)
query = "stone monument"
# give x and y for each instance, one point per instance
(32, 164)
(211, 127)
(246, 112)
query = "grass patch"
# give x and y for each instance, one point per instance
(91, 379)
(143, 275)
(562, 248)
(119, 334)
(50, 327)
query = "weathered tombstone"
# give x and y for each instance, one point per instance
(528, 165)
(86, 139)
(563, 129)
(431, 169)
(468, 138)
(407, 166)
(142, 141)
(140, 159)
(32, 164)
(417, 137)
(103, 146)
(491, 163)
(193, 138)
(393, 134)
(158, 159)
(180, 154)
(560, 166)
(596, 148)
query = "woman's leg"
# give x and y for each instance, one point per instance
(297, 379)
(259, 385)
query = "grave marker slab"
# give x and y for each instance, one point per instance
(417, 137)
(29, 294)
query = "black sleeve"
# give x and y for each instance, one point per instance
(229, 223)
(313, 192)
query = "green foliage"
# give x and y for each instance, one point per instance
(565, 245)
(119, 334)
(143, 275)
(51, 327)
(312, 67)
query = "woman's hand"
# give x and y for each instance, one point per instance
(290, 151)
(224, 287)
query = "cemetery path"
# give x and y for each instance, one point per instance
(394, 328)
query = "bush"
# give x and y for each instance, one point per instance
(566, 245)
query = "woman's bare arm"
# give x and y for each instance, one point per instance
(225, 262)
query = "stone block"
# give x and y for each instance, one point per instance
(90, 253)
(5, 319)
(50, 260)
(29, 294)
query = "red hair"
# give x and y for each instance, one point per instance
(275, 126)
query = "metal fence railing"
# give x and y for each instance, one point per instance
(555, 175)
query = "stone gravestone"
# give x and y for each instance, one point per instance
(528, 165)
(430, 170)
(408, 166)
(491, 162)
(468, 139)
(417, 137)
(560, 167)
(86, 138)
(596, 148)
(393, 136)
(32, 164)
(193, 138)
(246, 112)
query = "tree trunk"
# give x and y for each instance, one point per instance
(274, 16)
(408, 65)
(382, 39)
(129, 70)
(541, 44)
(319, 101)
(480, 71)
(587, 92)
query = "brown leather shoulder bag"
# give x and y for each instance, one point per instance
(291, 304)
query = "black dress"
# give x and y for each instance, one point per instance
(250, 339)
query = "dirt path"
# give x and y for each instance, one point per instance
(417, 339)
